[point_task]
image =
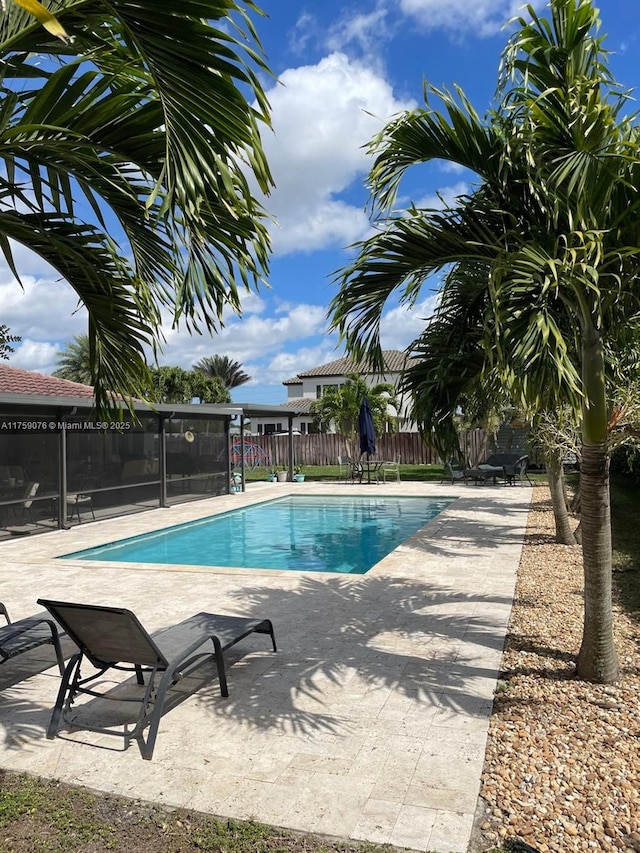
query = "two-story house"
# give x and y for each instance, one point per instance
(309, 385)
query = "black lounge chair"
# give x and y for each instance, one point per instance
(114, 638)
(28, 633)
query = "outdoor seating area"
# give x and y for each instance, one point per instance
(362, 713)
(312, 738)
(510, 468)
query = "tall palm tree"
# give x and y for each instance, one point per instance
(126, 153)
(553, 223)
(338, 408)
(74, 361)
(222, 367)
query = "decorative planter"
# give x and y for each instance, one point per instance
(271, 478)
(298, 478)
(281, 476)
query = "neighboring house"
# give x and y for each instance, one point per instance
(310, 385)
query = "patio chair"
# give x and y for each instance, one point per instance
(345, 465)
(453, 470)
(27, 502)
(517, 471)
(78, 501)
(392, 468)
(114, 638)
(28, 633)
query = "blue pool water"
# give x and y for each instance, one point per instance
(296, 533)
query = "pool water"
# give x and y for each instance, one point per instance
(296, 533)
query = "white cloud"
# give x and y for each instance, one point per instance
(285, 365)
(250, 339)
(365, 30)
(401, 325)
(482, 18)
(46, 309)
(35, 355)
(322, 117)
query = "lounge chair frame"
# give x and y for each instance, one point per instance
(28, 633)
(114, 638)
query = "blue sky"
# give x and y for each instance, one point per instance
(342, 69)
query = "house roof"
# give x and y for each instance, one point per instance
(394, 361)
(15, 380)
(300, 405)
(23, 388)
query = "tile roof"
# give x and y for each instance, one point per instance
(395, 361)
(299, 404)
(15, 380)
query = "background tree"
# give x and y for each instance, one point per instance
(6, 339)
(338, 409)
(74, 361)
(128, 181)
(176, 385)
(229, 372)
(553, 223)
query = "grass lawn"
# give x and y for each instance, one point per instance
(331, 473)
(40, 816)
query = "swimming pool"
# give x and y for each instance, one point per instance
(293, 533)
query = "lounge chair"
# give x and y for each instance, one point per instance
(114, 638)
(28, 633)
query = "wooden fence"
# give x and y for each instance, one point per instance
(324, 449)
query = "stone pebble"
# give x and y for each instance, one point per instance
(562, 765)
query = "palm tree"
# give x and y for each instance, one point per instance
(451, 374)
(338, 408)
(553, 223)
(228, 371)
(74, 361)
(127, 155)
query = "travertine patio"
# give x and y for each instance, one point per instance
(369, 723)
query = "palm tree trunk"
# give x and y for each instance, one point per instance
(555, 478)
(597, 658)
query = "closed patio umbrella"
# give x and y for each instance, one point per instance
(367, 432)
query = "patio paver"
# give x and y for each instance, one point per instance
(369, 723)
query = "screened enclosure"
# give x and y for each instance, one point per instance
(58, 467)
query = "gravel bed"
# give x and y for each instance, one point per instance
(562, 767)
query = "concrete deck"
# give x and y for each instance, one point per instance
(370, 721)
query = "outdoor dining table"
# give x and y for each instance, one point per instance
(369, 468)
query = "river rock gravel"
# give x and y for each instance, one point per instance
(562, 766)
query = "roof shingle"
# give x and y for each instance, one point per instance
(394, 360)
(15, 380)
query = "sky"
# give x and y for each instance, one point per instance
(341, 70)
